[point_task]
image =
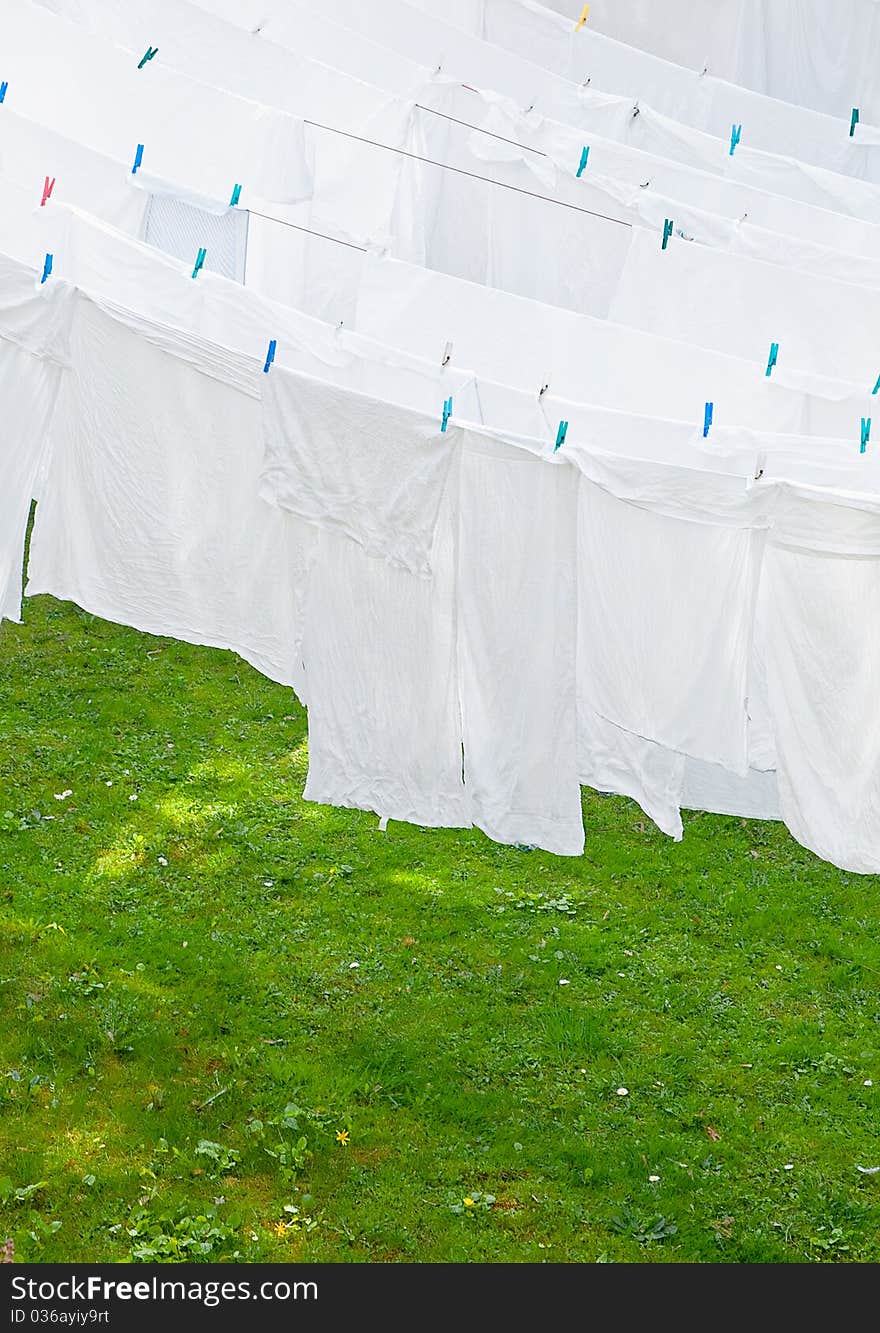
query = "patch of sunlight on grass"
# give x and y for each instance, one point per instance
(117, 862)
(223, 768)
(187, 813)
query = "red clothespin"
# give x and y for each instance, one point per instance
(47, 191)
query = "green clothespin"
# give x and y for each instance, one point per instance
(200, 261)
(236, 195)
(148, 55)
(667, 232)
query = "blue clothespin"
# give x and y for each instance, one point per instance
(200, 260)
(667, 232)
(148, 55)
(585, 153)
(270, 356)
(707, 418)
(866, 434)
(3, 87)
(771, 360)
(876, 388)
(854, 120)
(236, 195)
(560, 435)
(447, 412)
(138, 158)
(735, 136)
(47, 268)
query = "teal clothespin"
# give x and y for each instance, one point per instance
(138, 158)
(148, 55)
(667, 232)
(200, 261)
(866, 434)
(853, 121)
(447, 412)
(585, 153)
(236, 195)
(876, 388)
(771, 360)
(735, 136)
(707, 418)
(47, 268)
(3, 87)
(560, 435)
(270, 356)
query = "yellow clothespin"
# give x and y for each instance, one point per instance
(583, 18)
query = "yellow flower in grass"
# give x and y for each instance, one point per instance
(468, 1202)
(342, 1137)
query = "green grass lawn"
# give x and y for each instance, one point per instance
(239, 1026)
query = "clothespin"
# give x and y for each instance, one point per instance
(148, 55)
(771, 360)
(447, 355)
(200, 261)
(866, 434)
(3, 87)
(876, 388)
(707, 418)
(47, 191)
(853, 121)
(236, 195)
(560, 435)
(636, 110)
(447, 412)
(138, 158)
(47, 268)
(544, 387)
(585, 14)
(667, 232)
(735, 136)
(270, 356)
(585, 153)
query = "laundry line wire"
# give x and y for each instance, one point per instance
(445, 166)
(462, 171)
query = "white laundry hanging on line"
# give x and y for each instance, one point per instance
(824, 327)
(505, 541)
(548, 61)
(149, 515)
(93, 91)
(34, 329)
(517, 600)
(742, 306)
(640, 204)
(117, 269)
(696, 35)
(379, 635)
(353, 182)
(699, 95)
(696, 186)
(514, 340)
(481, 67)
(817, 55)
(802, 51)
(170, 217)
(822, 635)
(503, 338)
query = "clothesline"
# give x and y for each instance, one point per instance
(461, 171)
(446, 166)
